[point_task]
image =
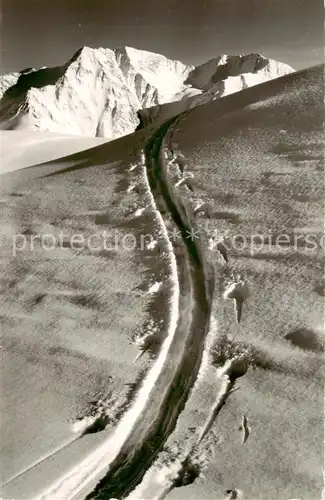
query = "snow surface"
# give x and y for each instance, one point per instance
(24, 148)
(99, 92)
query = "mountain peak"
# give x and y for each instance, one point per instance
(80, 52)
(226, 66)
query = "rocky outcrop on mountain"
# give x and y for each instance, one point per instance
(7, 81)
(109, 93)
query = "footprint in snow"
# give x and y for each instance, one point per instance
(238, 292)
(234, 494)
(245, 429)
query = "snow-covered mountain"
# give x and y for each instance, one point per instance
(217, 78)
(107, 93)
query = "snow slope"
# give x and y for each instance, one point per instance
(24, 148)
(99, 92)
(255, 160)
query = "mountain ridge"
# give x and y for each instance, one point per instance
(102, 92)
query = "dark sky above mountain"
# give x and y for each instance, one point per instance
(36, 33)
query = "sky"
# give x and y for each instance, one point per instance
(36, 33)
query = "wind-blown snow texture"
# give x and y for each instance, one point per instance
(100, 91)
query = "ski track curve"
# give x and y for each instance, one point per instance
(95, 465)
(111, 462)
(182, 367)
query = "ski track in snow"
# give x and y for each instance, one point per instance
(96, 465)
(161, 477)
(167, 471)
(44, 458)
(139, 491)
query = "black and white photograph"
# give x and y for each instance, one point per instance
(162, 249)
